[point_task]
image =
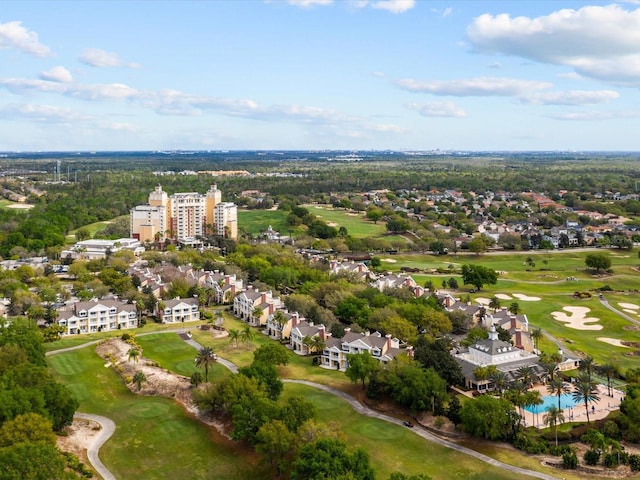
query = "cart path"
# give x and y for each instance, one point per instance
(108, 428)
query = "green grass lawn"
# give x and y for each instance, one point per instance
(256, 221)
(153, 434)
(355, 223)
(393, 448)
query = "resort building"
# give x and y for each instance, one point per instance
(98, 316)
(383, 349)
(183, 216)
(179, 310)
(96, 249)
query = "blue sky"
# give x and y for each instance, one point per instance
(320, 74)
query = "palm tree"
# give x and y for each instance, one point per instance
(549, 366)
(536, 335)
(499, 380)
(585, 390)
(196, 379)
(533, 398)
(256, 313)
(138, 378)
(234, 336)
(557, 387)
(247, 334)
(526, 374)
(610, 371)
(514, 308)
(587, 365)
(315, 344)
(552, 418)
(133, 354)
(205, 359)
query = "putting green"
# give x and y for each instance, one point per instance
(149, 409)
(68, 364)
(171, 429)
(319, 400)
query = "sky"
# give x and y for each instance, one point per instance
(410, 75)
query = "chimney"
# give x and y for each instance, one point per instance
(322, 333)
(263, 297)
(410, 351)
(388, 337)
(347, 330)
(294, 320)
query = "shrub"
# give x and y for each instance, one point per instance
(525, 443)
(125, 336)
(634, 461)
(128, 379)
(570, 460)
(591, 457)
(611, 460)
(559, 450)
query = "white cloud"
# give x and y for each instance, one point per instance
(57, 74)
(14, 36)
(44, 113)
(101, 58)
(309, 3)
(481, 86)
(595, 116)
(394, 6)
(597, 42)
(573, 97)
(447, 11)
(437, 109)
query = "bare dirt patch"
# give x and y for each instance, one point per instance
(79, 435)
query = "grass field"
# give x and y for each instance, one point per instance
(356, 224)
(153, 433)
(393, 448)
(256, 221)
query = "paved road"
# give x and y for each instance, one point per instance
(606, 303)
(108, 427)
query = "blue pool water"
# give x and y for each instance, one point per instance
(566, 401)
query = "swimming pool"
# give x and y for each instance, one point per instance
(566, 401)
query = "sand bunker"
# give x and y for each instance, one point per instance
(526, 298)
(632, 312)
(503, 296)
(612, 341)
(483, 301)
(389, 260)
(630, 306)
(577, 318)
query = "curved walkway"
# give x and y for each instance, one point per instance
(364, 410)
(108, 427)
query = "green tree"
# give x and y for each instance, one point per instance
(585, 390)
(196, 379)
(598, 261)
(139, 378)
(552, 418)
(609, 370)
(276, 444)
(234, 336)
(271, 354)
(27, 428)
(487, 417)
(205, 359)
(478, 275)
(558, 387)
(360, 366)
(296, 412)
(31, 461)
(536, 335)
(133, 355)
(247, 334)
(328, 458)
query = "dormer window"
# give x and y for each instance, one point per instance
(376, 352)
(112, 310)
(345, 347)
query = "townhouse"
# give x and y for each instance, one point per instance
(254, 306)
(178, 310)
(384, 349)
(98, 316)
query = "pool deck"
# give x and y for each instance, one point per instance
(602, 407)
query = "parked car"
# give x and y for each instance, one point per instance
(406, 423)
